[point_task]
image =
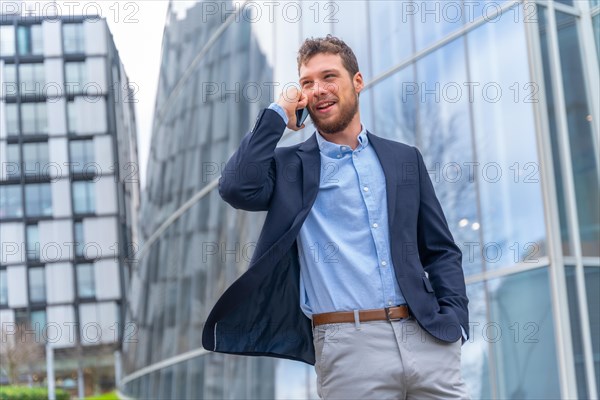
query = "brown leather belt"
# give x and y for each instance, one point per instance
(380, 314)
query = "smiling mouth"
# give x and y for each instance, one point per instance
(326, 106)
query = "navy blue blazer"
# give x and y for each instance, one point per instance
(259, 314)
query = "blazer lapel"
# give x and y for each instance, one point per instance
(386, 156)
(311, 169)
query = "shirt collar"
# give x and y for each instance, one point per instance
(334, 150)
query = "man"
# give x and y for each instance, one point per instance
(355, 269)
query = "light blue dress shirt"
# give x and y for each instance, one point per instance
(344, 243)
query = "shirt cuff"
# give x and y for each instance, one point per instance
(277, 108)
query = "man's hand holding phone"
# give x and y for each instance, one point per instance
(292, 100)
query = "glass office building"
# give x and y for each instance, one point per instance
(69, 195)
(502, 99)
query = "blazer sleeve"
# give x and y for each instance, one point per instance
(440, 256)
(248, 179)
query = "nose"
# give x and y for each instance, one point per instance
(322, 88)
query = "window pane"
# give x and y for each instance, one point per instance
(30, 39)
(35, 159)
(32, 79)
(521, 334)
(38, 199)
(37, 323)
(37, 285)
(433, 20)
(71, 116)
(13, 159)
(33, 118)
(33, 242)
(10, 201)
(596, 25)
(79, 240)
(85, 280)
(37, 41)
(7, 40)
(83, 197)
(73, 38)
(12, 119)
(75, 77)
(82, 156)
(513, 230)
(3, 287)
(592, 283)
(9, 80)
(583, 158)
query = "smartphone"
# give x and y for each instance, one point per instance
(301, 115)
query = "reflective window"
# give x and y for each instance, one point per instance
(82, 156)
(553, 131)
(29, 40)
(32, 79)
(521, 334)
(33, 242)
(393, 44)
(73, 40)
(35, 159)
(394, 115)
(596, 25)
(592, 283)
(7, 40)
(433, 19)
(38, 324)
(579, 118)
(9, 80)
(38, 199)
(85, 281)
(12, 119)
(37, 285)
(443, 133)
(13, 159)
(33, 118)
(3, 287)
(576, 331)
(83, 197)
(512, 219)
(75, 76)
(79, 240)
(10, 201)
(71, 116)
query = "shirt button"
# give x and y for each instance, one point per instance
(389, 303)
(384, 263)
(339, 156)
(366, 189)
(375, 225)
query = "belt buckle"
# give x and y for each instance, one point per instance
(387, 314)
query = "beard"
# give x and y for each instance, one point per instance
(346, 113)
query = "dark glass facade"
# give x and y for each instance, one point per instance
(499, 96)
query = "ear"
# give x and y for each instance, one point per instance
(358, 82)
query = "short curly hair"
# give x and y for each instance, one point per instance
(328, 45)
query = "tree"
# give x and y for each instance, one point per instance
(20, 348)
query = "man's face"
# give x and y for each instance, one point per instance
(332, 93)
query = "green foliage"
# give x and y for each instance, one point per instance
(105, 396)
(27, 393)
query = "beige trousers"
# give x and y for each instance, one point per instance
(386, 360)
